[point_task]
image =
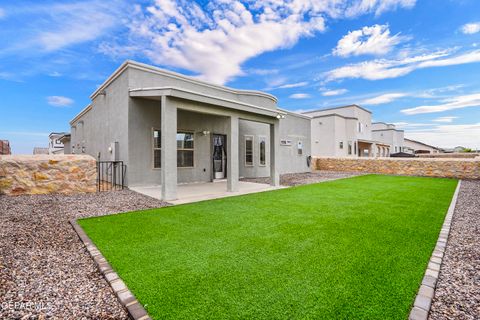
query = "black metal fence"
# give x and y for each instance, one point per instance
(110, 175)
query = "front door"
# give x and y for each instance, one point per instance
(219, 156)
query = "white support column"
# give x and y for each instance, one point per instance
(232, 154)
(168, 149)
(274, 153)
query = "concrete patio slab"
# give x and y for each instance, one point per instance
(193, 192)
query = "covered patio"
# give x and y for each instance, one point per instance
(171, 102)
(193, 192)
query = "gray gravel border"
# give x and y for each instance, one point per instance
(135, 309)
(423, 301)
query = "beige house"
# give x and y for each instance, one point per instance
(387, 133)
(415, 147)
(345, 132)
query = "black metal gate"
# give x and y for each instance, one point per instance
(110, 175)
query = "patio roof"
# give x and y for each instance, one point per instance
(156, 92)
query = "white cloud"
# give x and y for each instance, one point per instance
(331, 93)
(449, 136)
(378, 6)
(472, 100)
(445, 119)
(300, 96)
(263, 72)
(72, 23)
(293, 85)
(405, 125)
(384, 69)
(384, 98)
(215, 39)
(471, 28)
(374, 40)
(59, 101)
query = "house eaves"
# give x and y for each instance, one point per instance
(157, 92)
(335, 108)
(171, 74)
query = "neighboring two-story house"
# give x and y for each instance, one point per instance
(344, 132)
(387, 133)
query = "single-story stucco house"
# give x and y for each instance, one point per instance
(169, 128)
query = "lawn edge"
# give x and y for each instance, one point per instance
(426, 292)
(134, 308)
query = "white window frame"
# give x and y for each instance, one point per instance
(187, 149)
(260, 139)
(253, 150)
(155, 148)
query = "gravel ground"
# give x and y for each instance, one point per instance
(457, 295)
(45, 271)
(295, 179)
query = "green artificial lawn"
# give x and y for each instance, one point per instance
(348, 249)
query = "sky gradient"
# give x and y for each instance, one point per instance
(413, 63)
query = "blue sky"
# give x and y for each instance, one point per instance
(413, 63)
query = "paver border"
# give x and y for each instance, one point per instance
(426, 292)
(134, 308)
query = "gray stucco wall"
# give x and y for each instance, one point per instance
(257, 130)
(295, 128)
(105, 123)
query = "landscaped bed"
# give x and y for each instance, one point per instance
(351, 248)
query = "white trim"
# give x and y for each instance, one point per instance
(245, 149)
(153, 69)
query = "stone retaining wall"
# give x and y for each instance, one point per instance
(448, 168)
(43, 174)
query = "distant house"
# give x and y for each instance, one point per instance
(416, 147)
(40, 150)
(5, 147)
(345, 132)
(389, 134)
(57, 141)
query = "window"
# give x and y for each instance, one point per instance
(249, 150)
(355, 147)
(349, 147)
(263, 145)
(359, 127)
(157, 145)
(341, 145)
(185, 146)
